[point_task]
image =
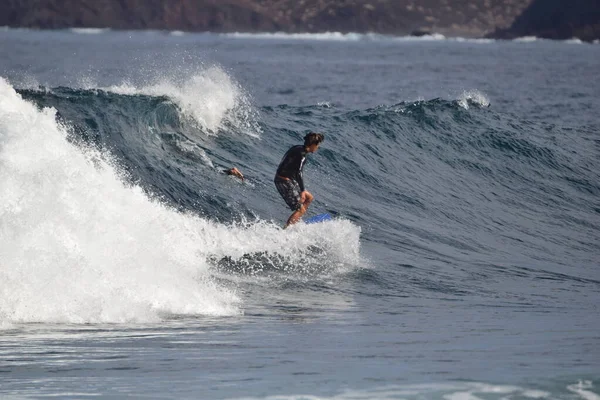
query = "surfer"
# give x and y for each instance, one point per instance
(288, 178)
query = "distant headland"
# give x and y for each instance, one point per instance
(504, 19)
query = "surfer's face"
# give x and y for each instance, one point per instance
(311, 148)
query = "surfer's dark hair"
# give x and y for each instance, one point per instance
(313, 138)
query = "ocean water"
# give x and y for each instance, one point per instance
(463, 263)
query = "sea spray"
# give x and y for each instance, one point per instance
(79, 245)
(473, 97)
(210, 97)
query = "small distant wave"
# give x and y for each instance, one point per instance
(352, 37)
(336, 36)
(438, 37)
(526, 39)
(424, 38)
(583, 389)
(468, 98)
(301, 36)
(473, 97)
(89, 31)
(474, 40)
(532, 39)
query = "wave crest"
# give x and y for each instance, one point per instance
(211, 98)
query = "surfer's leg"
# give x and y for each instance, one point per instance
(307, 200)
(295, 217)
(300, 211)
(290, 192)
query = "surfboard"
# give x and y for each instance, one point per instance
(318, 218)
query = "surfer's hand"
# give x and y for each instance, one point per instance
(235, 172)
(306, 198)
(302, 197)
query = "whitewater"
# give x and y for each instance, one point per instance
(462, 264)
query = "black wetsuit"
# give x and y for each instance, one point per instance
(288, 178)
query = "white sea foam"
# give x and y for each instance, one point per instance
(583, 389)
(473, 96)
(89, 31)
(177, 33)
(447, 391)
(210, 97)
(440, 37)
(474, 40)
(78, 245)
(352, 37)
(526, 39)
(334, 36)
(574, 41)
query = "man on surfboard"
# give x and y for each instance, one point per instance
(288, 178)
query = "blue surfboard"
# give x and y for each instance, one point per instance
(318, 218)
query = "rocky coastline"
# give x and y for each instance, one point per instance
(502, 19)
(556, 19)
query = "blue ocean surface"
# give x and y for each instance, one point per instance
(462, 264)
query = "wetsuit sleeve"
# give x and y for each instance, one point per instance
(299, 158)
(300, 180)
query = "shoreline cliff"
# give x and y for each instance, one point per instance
(501, 19)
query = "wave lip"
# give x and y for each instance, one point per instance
(210, 97)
